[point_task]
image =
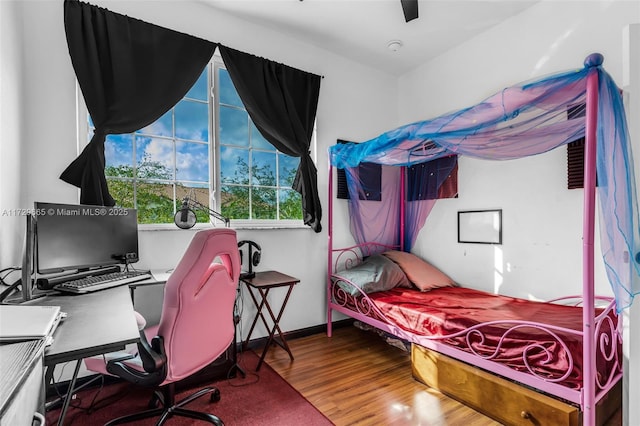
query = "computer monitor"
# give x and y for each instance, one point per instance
(80, 237)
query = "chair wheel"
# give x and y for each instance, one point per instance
(215, 396)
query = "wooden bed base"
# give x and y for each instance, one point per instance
(503, 400)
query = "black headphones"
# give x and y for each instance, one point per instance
(254, 256)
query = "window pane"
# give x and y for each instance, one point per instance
(263, 168)
(200, 192)
(154, 202)
(258, 141)
(199, 89)
(228, 94)
(290, 204)
(234, 165)
(234, 129)
(122, 192)
(192, 161)
(154, 158)
(163, 126)
(263, 203)
(118, 154)
(235, 202)
(288, 166)
(192, 121)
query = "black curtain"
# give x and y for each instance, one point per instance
(282, 102)
(130, 73)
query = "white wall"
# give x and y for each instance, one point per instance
(37, 137)
(540, 257)
(11, 84)
(354, 101)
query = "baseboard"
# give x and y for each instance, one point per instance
(296, 334)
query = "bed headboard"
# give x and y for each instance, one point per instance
(348, 257)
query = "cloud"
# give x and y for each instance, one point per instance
(192, 161)
(157, 150)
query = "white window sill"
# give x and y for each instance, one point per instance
(235, 224)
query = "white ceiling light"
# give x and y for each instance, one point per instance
(394, 45)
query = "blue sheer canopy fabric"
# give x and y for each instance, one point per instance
(522, 120)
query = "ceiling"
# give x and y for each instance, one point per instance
(362, 29)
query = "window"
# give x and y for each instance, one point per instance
(255, 179)
(203, 143)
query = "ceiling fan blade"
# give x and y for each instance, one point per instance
(410, 9)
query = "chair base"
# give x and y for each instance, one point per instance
(171, 409)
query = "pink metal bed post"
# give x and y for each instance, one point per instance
(403, 202)
(588, 313)
(330, 249)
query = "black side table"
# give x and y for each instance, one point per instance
(263, 282)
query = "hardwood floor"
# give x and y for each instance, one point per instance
(355, 378)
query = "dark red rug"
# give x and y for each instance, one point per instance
(261, 399)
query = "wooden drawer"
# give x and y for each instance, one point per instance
(496, 397)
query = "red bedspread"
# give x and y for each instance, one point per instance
(446, 311)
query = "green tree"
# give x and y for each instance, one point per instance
(154, 193)
(235, 194)
(153, 200)
(291, 200)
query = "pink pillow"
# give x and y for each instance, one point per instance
(422, 274)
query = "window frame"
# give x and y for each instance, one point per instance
(82, 130)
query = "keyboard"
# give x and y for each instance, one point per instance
(101, 282)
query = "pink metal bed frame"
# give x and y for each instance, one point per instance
(600, 327)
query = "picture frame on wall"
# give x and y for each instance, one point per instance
(480, 226)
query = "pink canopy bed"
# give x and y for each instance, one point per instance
(568, 349)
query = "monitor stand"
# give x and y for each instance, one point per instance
(27, 282)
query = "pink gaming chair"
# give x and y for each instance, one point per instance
(196, 327)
